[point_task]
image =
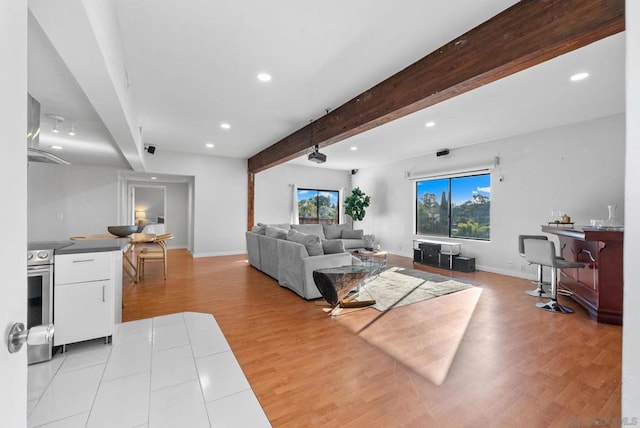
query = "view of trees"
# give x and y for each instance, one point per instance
(465, 215)
(318, 206)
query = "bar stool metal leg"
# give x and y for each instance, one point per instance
(553, 305)
(539, 291)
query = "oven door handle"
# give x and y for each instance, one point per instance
(35, 271)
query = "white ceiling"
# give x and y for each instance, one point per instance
(192, 65)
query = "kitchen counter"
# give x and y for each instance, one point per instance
(80, 246)
(47, 245)
(93, 246)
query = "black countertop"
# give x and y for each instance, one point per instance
(80, 246)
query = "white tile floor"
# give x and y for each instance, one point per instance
(170, 371)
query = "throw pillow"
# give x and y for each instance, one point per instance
(275, 232)
(310, 229)
(332, 246)
(352, 234)
(310, 242)
(259, 228)
(334, 231)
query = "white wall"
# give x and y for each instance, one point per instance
(220, 198)
(90, 198)
(177, 215)
(578, 168)
(67, 200)
(273, 193)
(630, 336)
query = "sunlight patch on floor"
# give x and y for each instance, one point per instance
(425, 336)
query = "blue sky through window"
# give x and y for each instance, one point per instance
(463, 188)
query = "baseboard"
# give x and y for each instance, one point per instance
(177, 247)
(514, 273)
(219, 253)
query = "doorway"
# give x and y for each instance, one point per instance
(148, 207)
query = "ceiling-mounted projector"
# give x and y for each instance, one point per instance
(316, 156)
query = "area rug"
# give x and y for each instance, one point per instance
(397, 286)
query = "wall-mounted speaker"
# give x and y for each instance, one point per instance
(354, 171)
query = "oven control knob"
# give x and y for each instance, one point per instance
(43, 255)
(29, 255)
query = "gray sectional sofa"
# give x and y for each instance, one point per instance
(290, 253)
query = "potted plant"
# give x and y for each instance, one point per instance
(355, 204)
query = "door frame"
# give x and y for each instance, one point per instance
(13, 191)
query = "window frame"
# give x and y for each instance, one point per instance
(450, 177)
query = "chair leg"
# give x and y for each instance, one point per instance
(539, 291)
(164, 261)
(553, 305)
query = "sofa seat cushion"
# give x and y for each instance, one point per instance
(309, 229)
(334, 231)
(311, 242)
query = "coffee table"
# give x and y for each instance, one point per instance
(335, 283)
(376, 260)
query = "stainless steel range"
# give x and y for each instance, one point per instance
(40, 297)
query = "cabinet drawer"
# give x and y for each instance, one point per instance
(82, 267)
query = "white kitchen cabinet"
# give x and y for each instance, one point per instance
(83, 299)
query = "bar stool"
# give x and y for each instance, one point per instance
(543, 252)
(539, 291)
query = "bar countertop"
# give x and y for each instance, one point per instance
(586, 233)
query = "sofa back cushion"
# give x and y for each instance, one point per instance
(311, 242)
(332, 246)
(275, 232)
(334, 231)
(285, 226)
(309, 229)
(352, 234)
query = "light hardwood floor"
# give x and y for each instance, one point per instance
(483, 357)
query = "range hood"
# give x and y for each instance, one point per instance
(34, 153)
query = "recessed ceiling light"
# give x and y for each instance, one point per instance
(210, 145)
(225, 126)
(354, 148)
(430, 124)
(579, 76)
(264, 77)
(56, 147)
(154, 178)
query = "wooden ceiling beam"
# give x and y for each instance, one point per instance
(528, 33)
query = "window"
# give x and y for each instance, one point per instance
(318, 206)
(456, 207)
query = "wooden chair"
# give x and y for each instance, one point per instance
(156, 251)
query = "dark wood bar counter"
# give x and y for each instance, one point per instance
(597, 287)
